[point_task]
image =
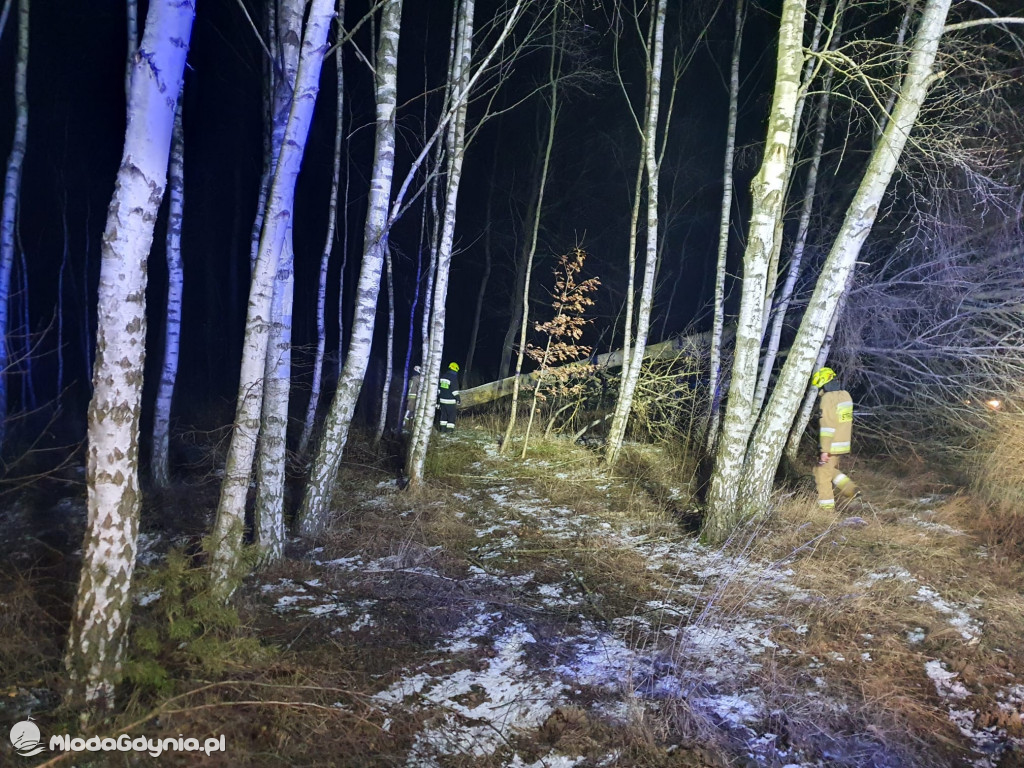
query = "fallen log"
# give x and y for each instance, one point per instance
(694, 343)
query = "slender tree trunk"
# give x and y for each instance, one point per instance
(226, 542)
(160, 461)
(313, 513)
(4, 13)
(270, 465)
(271, 459)
(774, 426)
(554, 68)
(132, 17)
(271, 110)
(332, 219)
(627, 387)
(718, 325)
(103, 605)
(768, 200)
(9, 213)
(455, 150)
(389, 352)
(797, 257)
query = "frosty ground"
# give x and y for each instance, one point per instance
(548, 613)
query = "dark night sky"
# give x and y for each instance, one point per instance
(76, 130)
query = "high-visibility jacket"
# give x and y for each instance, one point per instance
(835, 421)
(448, 388)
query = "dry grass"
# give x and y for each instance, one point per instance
(308, 703)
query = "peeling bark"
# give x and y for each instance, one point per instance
(103, 604)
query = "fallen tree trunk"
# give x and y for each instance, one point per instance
(694, 343)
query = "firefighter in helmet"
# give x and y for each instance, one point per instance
(835, 428)
(448, 397)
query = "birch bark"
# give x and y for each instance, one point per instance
(631, 375)
(160, 459)
(226, 542)
(455, 149)
(718, 324)
(388, 352)
(767, 203)
(313, 512)
(325, 255)
(771, 433)
(103, 604)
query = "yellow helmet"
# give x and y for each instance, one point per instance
(453, 367)
(823, 377)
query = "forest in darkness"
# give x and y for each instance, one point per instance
(245, 245)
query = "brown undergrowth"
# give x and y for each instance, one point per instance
(872, 596)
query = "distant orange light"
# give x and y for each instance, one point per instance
(993, 404)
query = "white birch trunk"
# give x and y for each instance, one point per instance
(771, 433)
(631, 375)
(103, 604)
(455, 150)
(9, 214)
(160, 460)
(325, 255)
(313, 512)
(389, 352)
(226, 542)
(270, 466)
(718, 325)
(797, 257)
(768, 200)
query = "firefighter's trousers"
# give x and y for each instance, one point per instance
(447, 416)
(828, 475)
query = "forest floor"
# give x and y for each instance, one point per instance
(548, 613)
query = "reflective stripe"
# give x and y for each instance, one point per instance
(844, 410)
(827, 503)
(840, 447)
(444, 383)
(828, 430)
(840, 480)
(445, 401)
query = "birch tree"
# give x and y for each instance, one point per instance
(9, 211)
(389, 351)
(270, 461)
(718, 324)
(313, 512)
(102, 607)
(767, 204)
(553, 73)
(455, 149)
(325, 255)
(652, 114)
(226, 541)
(758, 461)
(160, 454)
